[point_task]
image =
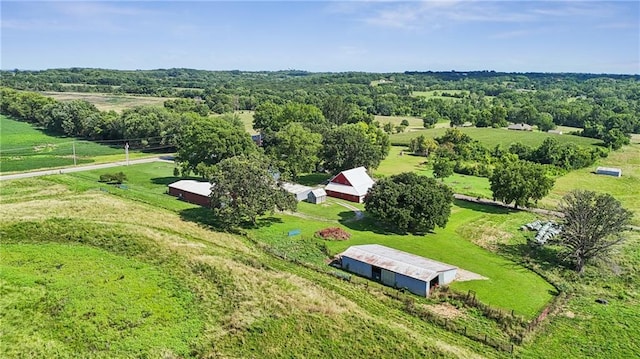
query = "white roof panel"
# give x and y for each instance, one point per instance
(197, 187)
(397, 261)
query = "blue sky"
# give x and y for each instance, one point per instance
(376, 36)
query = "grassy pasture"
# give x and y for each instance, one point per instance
(247, 119)
(108, 102)
(249, 302)
(626, 188)
(493, 136)
(25, 148)
(82, 299)
(438, 94)
(396, 163)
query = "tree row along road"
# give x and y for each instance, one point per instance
(83, 168)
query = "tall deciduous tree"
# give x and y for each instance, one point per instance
(410, 203)
(244, 188)
(295, 150)
(354, 145)
(520, 182)
(592, 224)
(207, 141)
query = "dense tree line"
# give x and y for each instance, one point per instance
(606, 106)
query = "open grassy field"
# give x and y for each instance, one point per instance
(626, 188)
(493, 136)
(299, 312)
(239, 301)
(108, 102)
(247, 119)
(397, 163)
(438, 94)
(24, 148)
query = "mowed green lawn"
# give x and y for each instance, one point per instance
(491, 137)
(400, 160)
(24, 148)
(510, 286)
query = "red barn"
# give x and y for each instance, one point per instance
(351, 185)
(192, 191)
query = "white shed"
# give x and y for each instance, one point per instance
(317, 195)
(609, 171)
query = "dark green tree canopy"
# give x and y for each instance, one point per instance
(354, 145)
(207, 141)
(520, 182)
(410, 203)
(592, 224)
(295, 150)
(244, 188)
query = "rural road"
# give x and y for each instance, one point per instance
(164, 158)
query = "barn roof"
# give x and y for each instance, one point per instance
(191, 186)
(295, 188)
(357, 177)
(397, 261)
(520, 126)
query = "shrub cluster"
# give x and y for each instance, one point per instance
(113, 178)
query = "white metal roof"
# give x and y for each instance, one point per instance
(359, 179)
(397, 261)
(201, 188)
(319, 192)
(609, 169)
(295, 188)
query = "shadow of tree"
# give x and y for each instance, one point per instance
(366, 224)
(204, 217)
(546, 257)
(313, 179)
(485, 208)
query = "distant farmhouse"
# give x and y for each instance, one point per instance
(397, 269)
(192, 191)
(351, 185)
(609, 171)
(519, 127)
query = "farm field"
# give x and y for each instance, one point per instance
(397, 163)
(247, 119)
(25, 148)
(299, 312)
(496, 136)
(334, 310)
(108, 102)
(438, 94)
(626, 188)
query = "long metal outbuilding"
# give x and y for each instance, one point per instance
(396, 268)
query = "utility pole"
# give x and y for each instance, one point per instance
(75, 163)
(126, 152)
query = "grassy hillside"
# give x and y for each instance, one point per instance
(493, 136)
(246, 302)
(24, 148)
(241, 299)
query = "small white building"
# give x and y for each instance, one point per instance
(609, 171)
(317, 196)
(520, 127)
(299, 191)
